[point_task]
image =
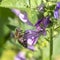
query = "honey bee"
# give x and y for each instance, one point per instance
(19, 35)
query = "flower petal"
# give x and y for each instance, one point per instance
(57, 11)
(16, 11)
(23, 16)
(58, 5)
(31, 47)
(31, 36)
(43, 23)
(56, 14)
(20, 56)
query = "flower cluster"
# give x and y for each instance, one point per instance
(30, 37)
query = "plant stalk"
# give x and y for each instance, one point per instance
(51, 43)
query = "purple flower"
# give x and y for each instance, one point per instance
(31, 47)
(20, 56)
(43, 23)
(22, 15)
(31, 37)
(58, 5)
(46, 21)
(16, 11)
(56, 14)
(57, 11)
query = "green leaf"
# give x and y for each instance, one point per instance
(4, 30)
(19, 3)
(13, 3)
(35, 3)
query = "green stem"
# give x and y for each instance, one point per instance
(51, 43)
